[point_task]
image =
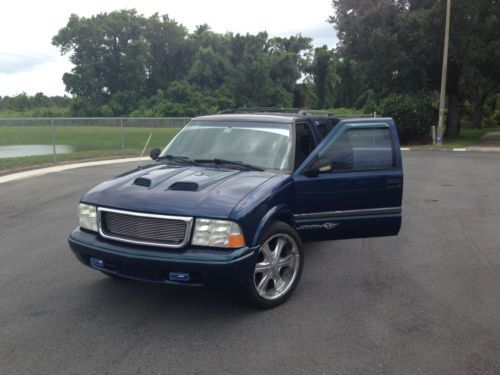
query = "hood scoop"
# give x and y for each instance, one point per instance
(155, 177)
(141, 181)
(185, 186)
(201, 179)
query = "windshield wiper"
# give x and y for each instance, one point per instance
(179, 159)
(230, 162)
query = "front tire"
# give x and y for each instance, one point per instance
(278, 267)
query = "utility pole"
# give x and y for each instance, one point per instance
(442, 95)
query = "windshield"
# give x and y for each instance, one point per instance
(266, 145)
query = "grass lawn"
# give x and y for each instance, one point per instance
(468, 137)
(87, 142)
(90, 142)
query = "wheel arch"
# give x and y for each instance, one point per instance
(277, 213)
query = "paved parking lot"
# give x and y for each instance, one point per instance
(427, 301)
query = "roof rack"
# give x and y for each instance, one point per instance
(297, 111)
(314, 112)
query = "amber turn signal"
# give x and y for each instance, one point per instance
(236, 240)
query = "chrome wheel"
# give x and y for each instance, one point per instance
(277, 266)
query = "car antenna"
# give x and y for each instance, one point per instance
(144, 149)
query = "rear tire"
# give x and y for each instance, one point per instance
(278, 268)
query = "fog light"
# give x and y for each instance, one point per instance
(179, 276)
(96, 262)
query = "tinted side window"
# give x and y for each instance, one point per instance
(361, 149)
(324, 127)
(304, 142)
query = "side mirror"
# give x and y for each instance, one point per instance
(155, 152)
(318, 166)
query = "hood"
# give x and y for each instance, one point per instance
(178, 190)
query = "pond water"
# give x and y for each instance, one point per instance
(29, 150)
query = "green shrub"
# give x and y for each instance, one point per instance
(367, 102)
(343, 111)
(106, 111)
(82, 107)
(414, 116)
(496, 117)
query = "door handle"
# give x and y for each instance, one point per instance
(393, 183)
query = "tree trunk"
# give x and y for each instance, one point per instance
(478, 112)
(452, 90)
(452, 130)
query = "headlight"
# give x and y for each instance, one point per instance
(87, 216)
(217, 233)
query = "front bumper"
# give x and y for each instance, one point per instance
(206, 267)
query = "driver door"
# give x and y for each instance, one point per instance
(357, 189)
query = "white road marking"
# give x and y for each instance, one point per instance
(460, 149)
(65, 167)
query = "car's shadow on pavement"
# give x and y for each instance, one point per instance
(123, 296)
(132, 297)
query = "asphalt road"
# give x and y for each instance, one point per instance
(426, 301)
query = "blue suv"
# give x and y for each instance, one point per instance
(232, 198)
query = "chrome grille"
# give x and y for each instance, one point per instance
(144, 229)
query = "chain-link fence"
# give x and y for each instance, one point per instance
(31, 141)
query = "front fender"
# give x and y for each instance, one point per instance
(281, 212)
(270, 201)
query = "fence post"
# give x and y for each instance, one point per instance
(123, 138)
(53, 131)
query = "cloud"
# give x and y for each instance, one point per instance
(322, 34)
(38, 67)
(18, 62)
(44, 77)
(323, 31)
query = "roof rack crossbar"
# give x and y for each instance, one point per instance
(297, 111)
(314, 112)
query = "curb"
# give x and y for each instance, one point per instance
(454, 149)
(60, 168)
(65, 167)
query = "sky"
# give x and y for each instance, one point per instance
(29, 63)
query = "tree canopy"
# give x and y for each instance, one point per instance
(126, 63)
(395, 47)
(388, 60)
